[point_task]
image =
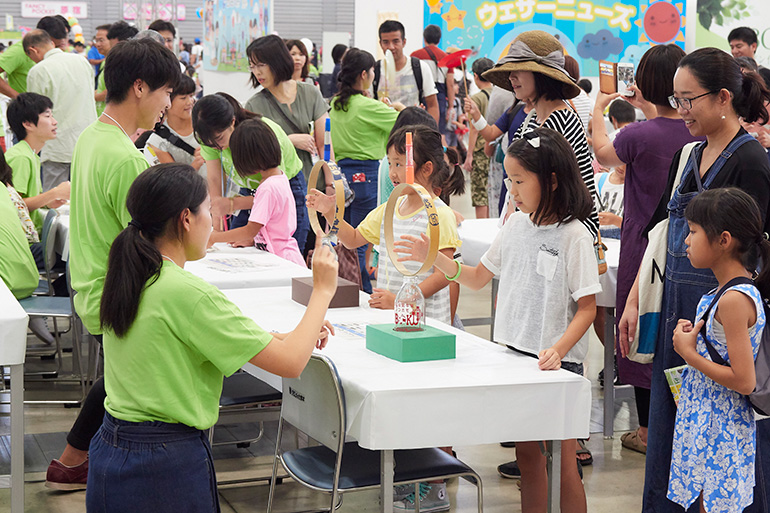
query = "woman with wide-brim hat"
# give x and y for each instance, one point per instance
(534, 71)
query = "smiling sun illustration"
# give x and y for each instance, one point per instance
(663, 22)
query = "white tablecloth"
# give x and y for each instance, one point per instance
(239, 268)
(13, 328)
(477, 235)
(487, 394)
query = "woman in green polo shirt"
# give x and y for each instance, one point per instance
(214, 118)
(169, 338)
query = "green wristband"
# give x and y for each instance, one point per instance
(459, 270)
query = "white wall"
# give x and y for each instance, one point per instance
(410, 13)
(234, 84)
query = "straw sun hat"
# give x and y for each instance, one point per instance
(535, 51)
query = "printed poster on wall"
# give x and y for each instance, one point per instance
(716, 18)
(590, 30)
(228, 28)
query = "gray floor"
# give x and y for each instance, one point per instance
(613, 483)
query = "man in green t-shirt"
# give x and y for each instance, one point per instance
(32, 122)
(140, 76)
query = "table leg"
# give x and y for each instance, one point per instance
(17, 438)
(609, 372)
(553, 467)
(387, 465)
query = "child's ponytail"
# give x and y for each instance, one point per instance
(427, 147)
(454, 182)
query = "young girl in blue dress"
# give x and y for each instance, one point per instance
(715, 435)
(545, 259)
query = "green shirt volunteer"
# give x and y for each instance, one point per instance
(164, 351)
(291, 165)
(16, 65)
(361, 132)
(100, 86)
(104, 165)
(17, 266)
(26, 175)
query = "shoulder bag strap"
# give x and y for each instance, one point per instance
(724, 157)
(417, 72)
(684, 158)
(165, 132)
(286, 118)
(715, 357)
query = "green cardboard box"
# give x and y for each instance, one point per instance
(410, 346)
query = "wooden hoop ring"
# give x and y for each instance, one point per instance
(433, 227)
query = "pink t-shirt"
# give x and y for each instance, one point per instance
(275, 210)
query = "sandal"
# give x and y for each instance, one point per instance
(582, 450)
(634, 442)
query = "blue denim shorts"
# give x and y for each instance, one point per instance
(150, 467)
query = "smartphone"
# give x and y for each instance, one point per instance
(616, 77)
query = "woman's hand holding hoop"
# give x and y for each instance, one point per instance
(320, 202)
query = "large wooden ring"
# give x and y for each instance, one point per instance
(433, 227)
(339, 192)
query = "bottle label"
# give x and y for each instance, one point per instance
(408, 317)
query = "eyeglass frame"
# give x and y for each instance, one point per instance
(679, 102)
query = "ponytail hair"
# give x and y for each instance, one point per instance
(715, 70)
(454, 185)
(213, 114)
(427, 147)
(733, 210)
(353, 63)
(156, 200)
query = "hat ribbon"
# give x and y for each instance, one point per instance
(520, 52)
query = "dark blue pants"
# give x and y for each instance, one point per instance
(365, 201)
(299, 190)
(148, 467)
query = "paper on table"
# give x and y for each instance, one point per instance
(234, 264)
(350, 330)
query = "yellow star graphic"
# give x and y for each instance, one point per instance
(454, 18)
(435, 6)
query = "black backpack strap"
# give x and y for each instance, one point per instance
(486, 93)
(165, 132)
(376, 82)
(417, 71)
(715, 357)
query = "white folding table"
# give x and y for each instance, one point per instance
(487, 394)
(236, 268)
(13, 346)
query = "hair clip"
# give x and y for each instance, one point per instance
(534, 141)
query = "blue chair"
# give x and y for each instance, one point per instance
(314, 404)
(48, 238)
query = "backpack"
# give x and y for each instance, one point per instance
(760, 397)
(164, 132)
(416, 71)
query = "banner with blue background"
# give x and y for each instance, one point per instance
(590, 30)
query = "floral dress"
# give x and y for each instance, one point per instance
(715, 436)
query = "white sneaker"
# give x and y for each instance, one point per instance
(433, 497)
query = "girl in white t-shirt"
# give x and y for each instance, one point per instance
(548, 280)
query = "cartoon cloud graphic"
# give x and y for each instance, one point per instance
(599, 46)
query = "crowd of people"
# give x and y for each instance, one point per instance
(156, 173)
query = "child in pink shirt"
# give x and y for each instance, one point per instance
(273, 217)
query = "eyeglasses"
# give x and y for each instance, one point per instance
(259, 65)
(508, 183)
(685, 103)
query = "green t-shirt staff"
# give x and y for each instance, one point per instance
(17, 266)
(26, 175)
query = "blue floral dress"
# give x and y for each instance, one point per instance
(715, 435)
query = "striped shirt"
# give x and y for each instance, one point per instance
(567, 123)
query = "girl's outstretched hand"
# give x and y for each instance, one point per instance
(325, 268)
(549, 359)
(382, 299)
(320, 202)
(686, 337)
(413, 248)
(327, 329)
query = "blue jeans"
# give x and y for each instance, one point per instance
(364, 202)
(150, 467)
(299, 190)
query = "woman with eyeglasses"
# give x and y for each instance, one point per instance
(712, 96)
(646, 149)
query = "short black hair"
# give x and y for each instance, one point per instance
(139, 59)
(338, 52)
(547, 87)
(414, 116)
(391, 26)
(121, 31)
(655, 73)
(622, 111)
(106, 26)
(432, 34)
(214, 113)
(585, 85)
(35, 38)
(271, 50)
(255, 147)
(55, 27)
(554, 156)
(481, 65)
(185, 86)
(745, 34)
(291, 43)
(25, 108)
(159, 25)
